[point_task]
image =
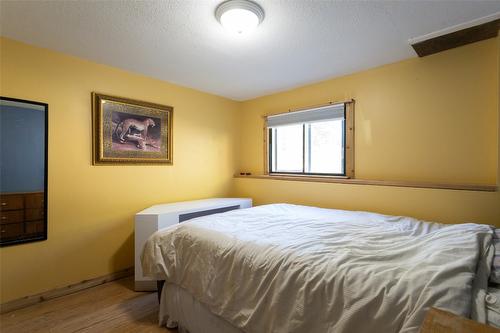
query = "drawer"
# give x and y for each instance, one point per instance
(11, 202)
(34, 200)
(34, 227)
(33, 214)
(12, 230)
(11, 216)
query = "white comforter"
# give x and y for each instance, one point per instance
(287, 268)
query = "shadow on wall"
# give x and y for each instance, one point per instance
(124, 254)
(96, 243)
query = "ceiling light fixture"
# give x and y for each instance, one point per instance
(239, 16)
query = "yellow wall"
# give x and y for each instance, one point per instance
(429, 119)
(91, 208)
(432, 119)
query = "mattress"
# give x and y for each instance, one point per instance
(288, 268)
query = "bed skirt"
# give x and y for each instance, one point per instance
(179, 308)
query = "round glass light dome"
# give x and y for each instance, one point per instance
(239, 16)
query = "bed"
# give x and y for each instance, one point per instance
(289, 268)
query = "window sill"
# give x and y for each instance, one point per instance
(345, 180)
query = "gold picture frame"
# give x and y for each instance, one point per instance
(127, 131)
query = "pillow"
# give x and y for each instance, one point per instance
(495, 267)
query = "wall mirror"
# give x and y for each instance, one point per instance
(23, 171)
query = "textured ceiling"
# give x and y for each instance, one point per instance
(299, 41)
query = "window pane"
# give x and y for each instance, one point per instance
(326, 147)
(288, 146)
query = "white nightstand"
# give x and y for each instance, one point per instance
(158, 217)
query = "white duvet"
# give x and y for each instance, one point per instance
(287, 268)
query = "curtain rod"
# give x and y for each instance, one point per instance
(309, 107)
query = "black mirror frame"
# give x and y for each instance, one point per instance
(46, 174)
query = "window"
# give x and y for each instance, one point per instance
(316, 141)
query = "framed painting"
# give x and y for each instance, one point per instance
(127, 131)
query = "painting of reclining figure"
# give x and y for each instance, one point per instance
(133, 132)
(130, 132)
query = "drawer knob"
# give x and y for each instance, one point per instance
(4, 204)
(4, 217)
(3, 231)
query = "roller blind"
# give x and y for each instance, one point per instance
(329, 112)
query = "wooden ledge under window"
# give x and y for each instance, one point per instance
(344, 180)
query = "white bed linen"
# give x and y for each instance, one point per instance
(178, 305)
(287, 268)
(493, 307)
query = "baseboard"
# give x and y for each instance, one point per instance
(145, 285)
(58, 292)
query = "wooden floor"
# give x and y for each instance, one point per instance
(111, 307)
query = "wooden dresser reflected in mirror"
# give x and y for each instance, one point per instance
(23, 171)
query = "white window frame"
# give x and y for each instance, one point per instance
(348, 143)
